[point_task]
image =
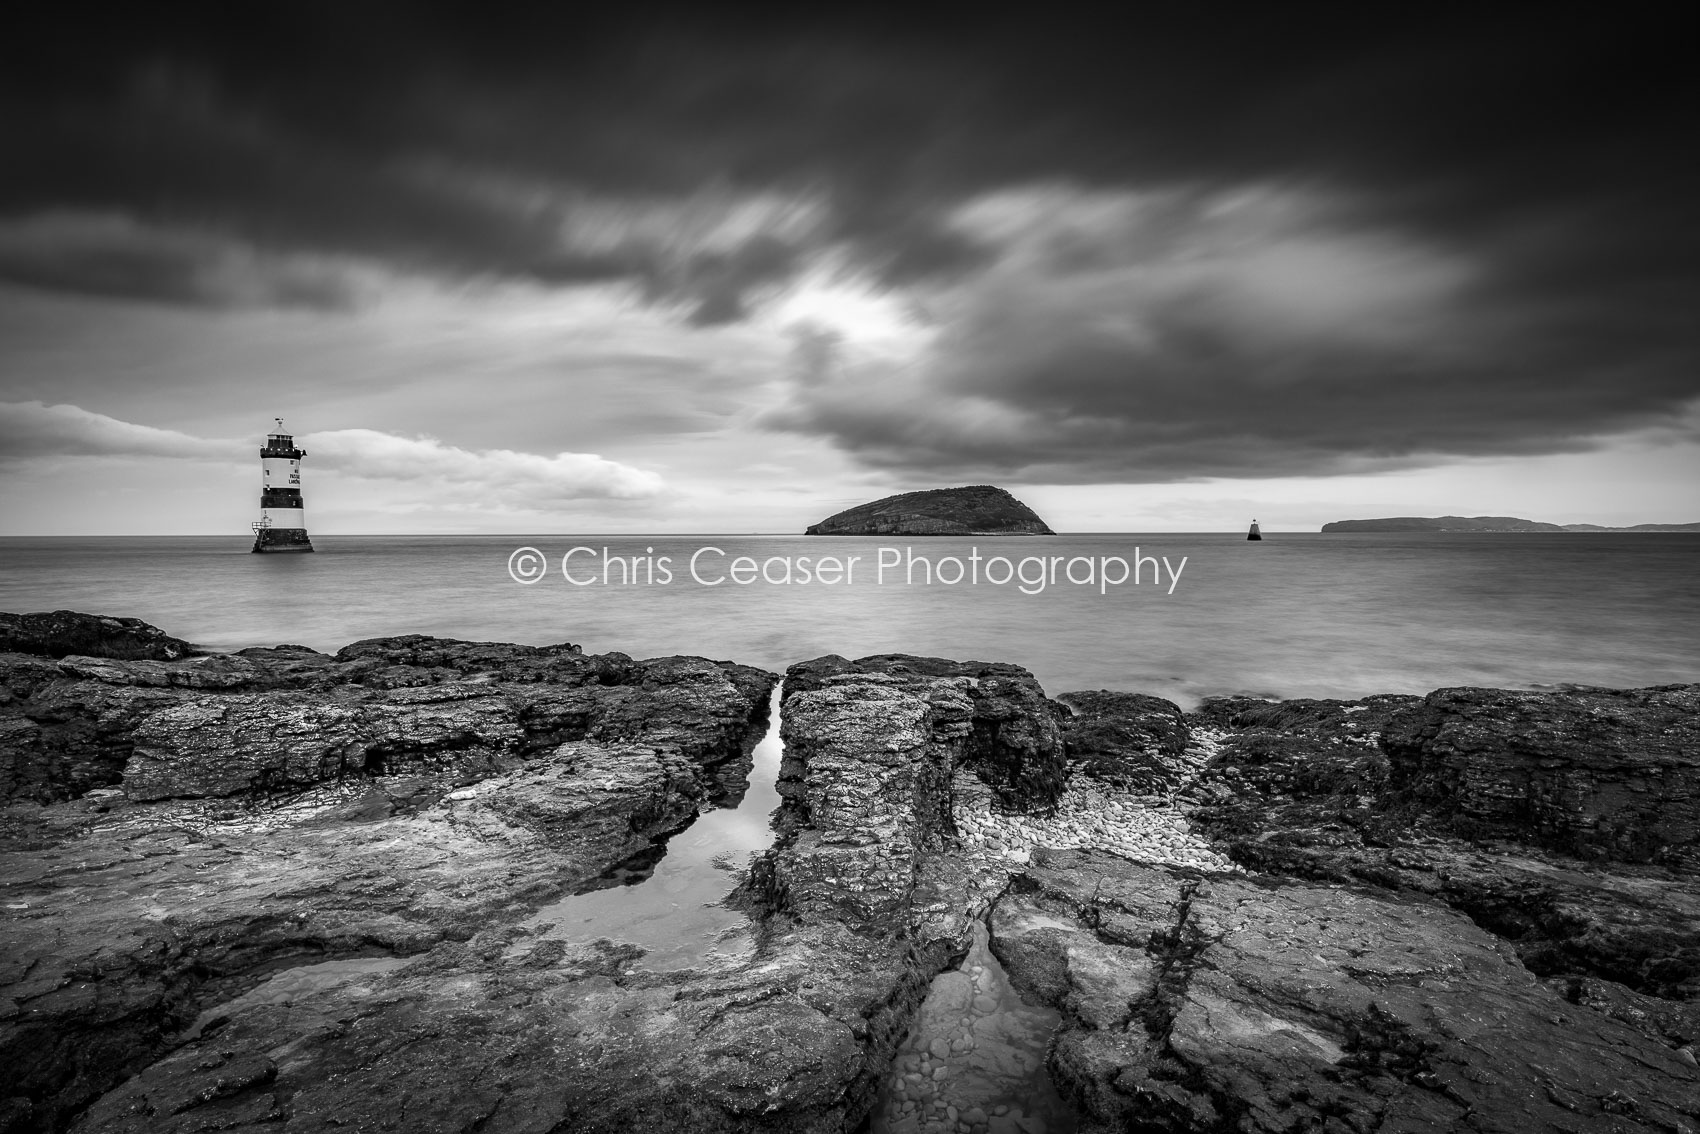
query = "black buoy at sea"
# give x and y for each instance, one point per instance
(1254, 533)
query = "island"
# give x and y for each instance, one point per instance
(977, 509)
(1486, 524)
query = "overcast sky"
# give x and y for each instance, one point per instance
(693, 273)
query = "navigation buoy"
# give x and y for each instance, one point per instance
(1254, 533)
(282, 525)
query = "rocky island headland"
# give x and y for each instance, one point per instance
(978, 509)
(287, 890)
(1486, 524)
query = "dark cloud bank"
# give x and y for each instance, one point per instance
(1149, 248)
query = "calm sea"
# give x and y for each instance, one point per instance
(1295, 615)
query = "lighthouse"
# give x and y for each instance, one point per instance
(282, 525)
(1255, 533)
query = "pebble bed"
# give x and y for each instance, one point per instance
(1144, 828)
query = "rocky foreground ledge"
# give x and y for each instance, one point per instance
(1474, 910)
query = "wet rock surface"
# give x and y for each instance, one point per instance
(55, 634)
(1014, 737)
(410, 799)
(1608, 774)
(1345, 792)
(974, 1060)
(295, 890)
(311, 895)
(1204, 1003)
(1128, 740)
(284, 718)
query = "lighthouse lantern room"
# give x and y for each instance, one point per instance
(282, 525)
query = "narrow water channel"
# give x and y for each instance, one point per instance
(676, 914)
(974, 1060)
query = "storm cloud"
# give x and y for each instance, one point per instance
(1251, 332)
(1172, 248)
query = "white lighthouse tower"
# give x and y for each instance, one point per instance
(282, 525)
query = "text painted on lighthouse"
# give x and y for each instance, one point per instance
(281, 472)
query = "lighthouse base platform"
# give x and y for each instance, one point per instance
(273, 540)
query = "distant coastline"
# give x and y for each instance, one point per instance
(1486, 524)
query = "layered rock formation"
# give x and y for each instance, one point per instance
(1595, 773)
(405, 798)
(1220, 1003)
(310, 895)
(283, 718)
(1130, 740)
(58, 633)
(1377, 792)
(979, 509)
(284, 889)
(1014, 738)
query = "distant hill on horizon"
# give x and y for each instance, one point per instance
(1486, 524)
(1636, 528)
